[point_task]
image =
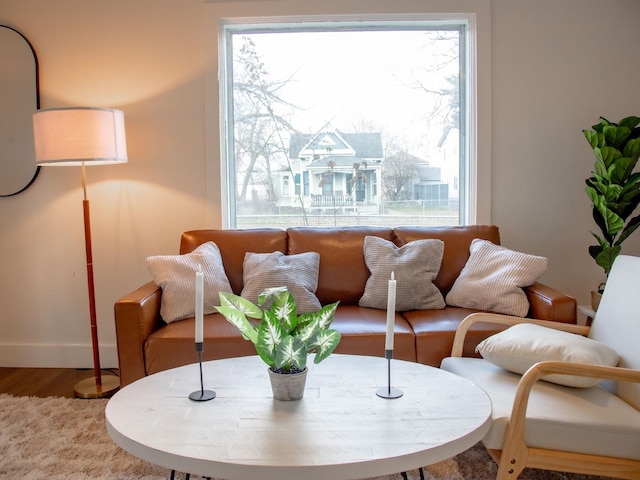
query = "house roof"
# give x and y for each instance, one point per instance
(404, 157)
(336, 143)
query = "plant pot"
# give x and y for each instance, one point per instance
(288, 386)
(595, 300)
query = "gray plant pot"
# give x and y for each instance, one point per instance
(288, 386)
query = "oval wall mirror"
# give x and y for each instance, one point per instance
(19, 99)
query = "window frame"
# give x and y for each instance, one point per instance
(477, 175)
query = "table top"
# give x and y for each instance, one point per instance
(341, 429)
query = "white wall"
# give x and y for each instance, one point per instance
(558, 65)
(552, 72)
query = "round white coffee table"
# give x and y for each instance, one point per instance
(340, 430)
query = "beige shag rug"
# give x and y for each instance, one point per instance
(62, 438)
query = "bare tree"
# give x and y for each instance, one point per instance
(258, 143)
(444, 48)
(398, 173)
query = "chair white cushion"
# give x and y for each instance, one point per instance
(493, 278)
(519, 347)
(415, 265)
(587, 420)
(176, 275)
(299, 273)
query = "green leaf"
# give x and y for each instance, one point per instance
(612, 222)
(239, 319)
(607, 256)
(291, 352)
(271, 294)
(628, 229)
(307, 330)
(632, 149)
(616, 136)
(630, 122)
(324, 343)
(594, 138)
(240, 303)
(284, 308)
(609, 155)
(324, 316)
(267, 357)
(600, 126)
(594, 251)
(270, 334)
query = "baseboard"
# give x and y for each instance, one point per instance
(55, 356)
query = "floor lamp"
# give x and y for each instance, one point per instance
(80, 136)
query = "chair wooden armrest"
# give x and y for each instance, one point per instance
(515, 449)
(485, 317)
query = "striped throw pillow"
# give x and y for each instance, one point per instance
(299, 273)
(493, 278)
(176, 275)
(414, 265)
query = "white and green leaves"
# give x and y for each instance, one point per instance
(282, 338)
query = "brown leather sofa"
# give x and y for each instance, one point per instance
(146, 344)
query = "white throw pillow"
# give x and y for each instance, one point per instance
(519, 347)
(415, 265)
(176, 275)
(493, 278)
(299, 273)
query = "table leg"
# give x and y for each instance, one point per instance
(404, 474)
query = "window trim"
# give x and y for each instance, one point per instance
(477, 180)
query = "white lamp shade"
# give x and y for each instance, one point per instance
(79, 135)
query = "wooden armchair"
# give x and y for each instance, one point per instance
(538, 424)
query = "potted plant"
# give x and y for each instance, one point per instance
(282, 338)
(613, 187)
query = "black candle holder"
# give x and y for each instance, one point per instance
(201, 395)
(389, 392)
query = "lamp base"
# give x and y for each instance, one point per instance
(87, 388)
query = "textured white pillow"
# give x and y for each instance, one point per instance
(414, 265)
(176, 275)
(493, 278)
(519, 347)
(299, 273)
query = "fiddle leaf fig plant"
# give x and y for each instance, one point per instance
(282, 338)
(613, 187)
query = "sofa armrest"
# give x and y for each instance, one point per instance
(547, 303)
(507, 320)
(137, 315)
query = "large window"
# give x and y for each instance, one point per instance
(347, 123)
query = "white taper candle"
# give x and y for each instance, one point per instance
(391, 312)
(199, 304)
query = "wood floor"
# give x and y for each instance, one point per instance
(43, 382)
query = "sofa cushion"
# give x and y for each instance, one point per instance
(493, 278)
(176, 275)
(363, 332)
(343, 273)
(414, 265)
(299, 273)
(521, 346)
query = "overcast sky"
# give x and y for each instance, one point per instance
(348, 78)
